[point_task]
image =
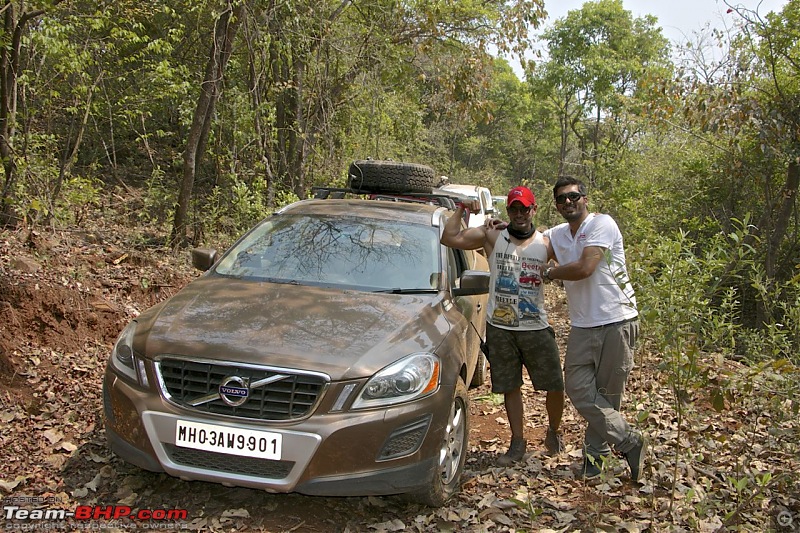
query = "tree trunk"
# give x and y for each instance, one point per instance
(787, 201)
(71, 149)
(9, 67)
(210, 91)
(262, 131)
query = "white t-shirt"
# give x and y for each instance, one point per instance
(516, 296)
(606, 296)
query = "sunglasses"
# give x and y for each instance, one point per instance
(573, 197)
(518, 209)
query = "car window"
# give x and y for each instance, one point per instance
(457, 264)
(333, 250)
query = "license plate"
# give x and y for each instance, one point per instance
(233, 441)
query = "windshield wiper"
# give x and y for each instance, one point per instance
(282, 281)
(407, 291)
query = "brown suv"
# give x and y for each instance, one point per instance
(328, 352)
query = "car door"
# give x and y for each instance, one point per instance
(472, 323)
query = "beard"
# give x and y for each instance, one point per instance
(574, 214)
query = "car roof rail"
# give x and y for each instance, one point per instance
(447, 199)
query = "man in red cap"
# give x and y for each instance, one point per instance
(517, 331)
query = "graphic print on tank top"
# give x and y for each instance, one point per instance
(516, 299)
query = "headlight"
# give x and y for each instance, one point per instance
(124, 360)
(409, 378)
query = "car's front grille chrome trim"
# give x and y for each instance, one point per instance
(270, 394)
(256, 384)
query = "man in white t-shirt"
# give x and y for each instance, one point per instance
(604, 325)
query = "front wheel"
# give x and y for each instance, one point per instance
(480, 372)
(446, 479)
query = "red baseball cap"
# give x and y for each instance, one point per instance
(522, 195)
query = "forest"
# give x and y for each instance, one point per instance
(195, 120)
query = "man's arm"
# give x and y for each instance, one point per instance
(551, 253)
(580, 269)
(463, 239)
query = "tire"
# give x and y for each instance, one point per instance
(369, 175)
(446, 478)
(480, 372)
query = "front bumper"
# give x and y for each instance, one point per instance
(356, 453)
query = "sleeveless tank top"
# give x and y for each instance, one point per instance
(516, 296)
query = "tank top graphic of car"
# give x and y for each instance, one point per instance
(516, 297)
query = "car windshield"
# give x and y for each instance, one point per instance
(365, 253)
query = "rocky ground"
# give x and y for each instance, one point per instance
(65, 295)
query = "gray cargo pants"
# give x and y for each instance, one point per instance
(596, 368)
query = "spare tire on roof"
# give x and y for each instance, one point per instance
(370, 175)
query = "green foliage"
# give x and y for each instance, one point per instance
(314, 85)
(687, 295)
(691, 309)
(38, 173)
(491, 398)
(80, 196)
(779, 337)
(158, 198)
(598, 56)
(232, 209)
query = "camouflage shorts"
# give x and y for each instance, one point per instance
(537, 350)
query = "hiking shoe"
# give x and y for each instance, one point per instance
(591, 467)
(515, 452)
(635, 458)
(553, 441)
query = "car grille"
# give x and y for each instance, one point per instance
(291, 396)
(232, 464)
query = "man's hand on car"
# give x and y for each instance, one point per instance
(473, 206)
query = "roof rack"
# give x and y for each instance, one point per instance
(439, 197)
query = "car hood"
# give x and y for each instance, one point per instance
(344, 333)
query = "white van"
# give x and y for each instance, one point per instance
(476, 193)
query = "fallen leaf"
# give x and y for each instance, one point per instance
(95, 482)
(391, 525)
(503, 504)
(198, 524)
(236, 513)
(53, 436)
(8, 486)
(503, 519)
(129, 500)
(56, 460)
(97, 459)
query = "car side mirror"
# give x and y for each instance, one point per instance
(473, 282)
(203, 258)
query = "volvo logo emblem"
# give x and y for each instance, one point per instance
(234, 390)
